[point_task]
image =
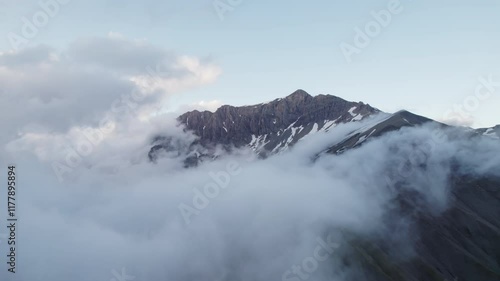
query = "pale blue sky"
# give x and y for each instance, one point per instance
(427, 59)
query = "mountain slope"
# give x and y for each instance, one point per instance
(391, 123)
(461, 243)
(490, 132)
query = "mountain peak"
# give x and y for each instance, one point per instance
(402, 112)
(270, 127)
(299, 94)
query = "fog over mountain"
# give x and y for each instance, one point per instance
(232, 140)
(300, 188)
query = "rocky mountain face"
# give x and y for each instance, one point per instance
(267, 128)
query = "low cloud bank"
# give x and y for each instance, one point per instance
(236, 218)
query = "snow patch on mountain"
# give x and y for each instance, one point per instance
(490, 132)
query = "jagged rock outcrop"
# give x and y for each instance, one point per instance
(271, 127)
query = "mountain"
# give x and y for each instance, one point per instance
(267, 128)
(460, 243)
(274, 127)
(493, 132)
(391, 123)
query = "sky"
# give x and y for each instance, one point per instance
(428, 58)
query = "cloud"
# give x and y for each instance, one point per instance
(26, 57)
(267, 217)
(459, 120)
(211, 106)
(197, 72)
(47, 94)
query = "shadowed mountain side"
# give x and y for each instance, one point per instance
(462, 243)
(395, 122)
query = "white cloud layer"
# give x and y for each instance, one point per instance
(265, 218)
(112, 84)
